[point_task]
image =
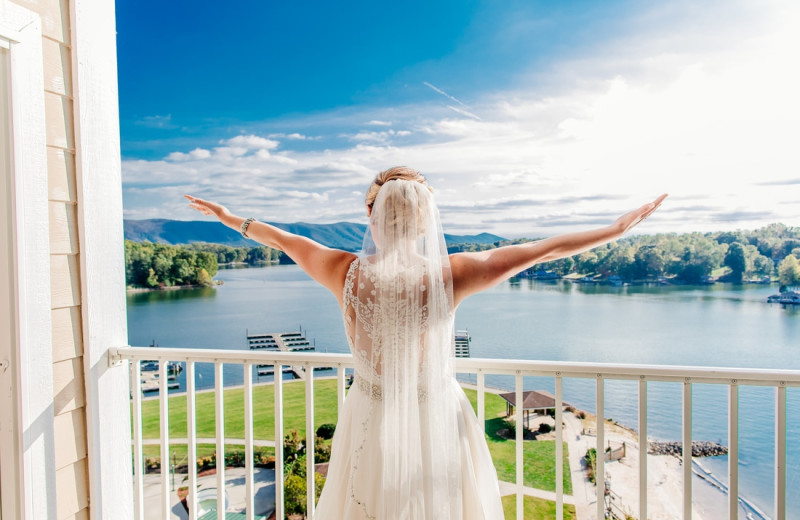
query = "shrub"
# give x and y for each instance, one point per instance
(322, 451)
(545, 428)
(326, 431)
(591, 459)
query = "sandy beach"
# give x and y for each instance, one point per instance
(664, 477)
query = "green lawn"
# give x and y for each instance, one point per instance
(538, 456)
(535, 508)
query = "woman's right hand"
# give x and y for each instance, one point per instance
(206, 207)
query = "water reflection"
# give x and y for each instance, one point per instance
(171, 295)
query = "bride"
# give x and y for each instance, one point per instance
(408, 444)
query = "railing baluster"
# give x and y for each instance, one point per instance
(687, 450)
(559, 451)
(138, 473)
(310, 442)
(780, 451)
(220, 421)
(163, 401)
(340, 390)
(248, 440)
(600, 451)
(643, 447)
(191, 431)
(278, 390)
(481, 401)
(519, 440)
(733, 451)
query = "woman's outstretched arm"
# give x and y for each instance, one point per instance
(475, 272)
(325, 265)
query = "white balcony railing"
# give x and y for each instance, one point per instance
(687, 376)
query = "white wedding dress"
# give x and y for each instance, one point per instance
(408, 445)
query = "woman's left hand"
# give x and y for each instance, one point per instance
(629, 220)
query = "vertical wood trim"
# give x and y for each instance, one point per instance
(99, 196)
(27, 454)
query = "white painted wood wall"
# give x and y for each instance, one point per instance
(79, 228)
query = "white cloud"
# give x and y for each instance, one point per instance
(251, 142)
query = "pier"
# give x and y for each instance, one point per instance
(281, 342)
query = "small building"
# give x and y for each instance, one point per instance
(539, 402)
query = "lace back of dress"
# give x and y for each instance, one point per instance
(402, 339)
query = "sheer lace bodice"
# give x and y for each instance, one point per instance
(362, 312)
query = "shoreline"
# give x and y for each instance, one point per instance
(137, 290)
(665, 480)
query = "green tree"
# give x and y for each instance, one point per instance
(735, 259)
(789, 271)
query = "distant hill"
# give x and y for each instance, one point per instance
(341, 235)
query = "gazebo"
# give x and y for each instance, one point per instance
(536, 401)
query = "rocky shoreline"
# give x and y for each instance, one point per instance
(699, 448)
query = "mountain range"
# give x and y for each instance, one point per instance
(341, 235)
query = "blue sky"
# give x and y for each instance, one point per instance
(529, 118)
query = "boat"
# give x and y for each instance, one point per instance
(785, 298)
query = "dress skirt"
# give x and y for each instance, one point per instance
(359, 498)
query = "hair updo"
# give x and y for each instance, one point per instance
(397, 173)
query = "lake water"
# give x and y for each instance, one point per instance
(717, 325)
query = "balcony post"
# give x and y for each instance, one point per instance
(733, 450)
(780, 451)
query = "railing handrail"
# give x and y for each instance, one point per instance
(668, 373)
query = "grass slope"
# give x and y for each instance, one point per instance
(538, 456)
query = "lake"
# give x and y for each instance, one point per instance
(718, 325)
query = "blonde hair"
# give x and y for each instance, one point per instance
(397, 173)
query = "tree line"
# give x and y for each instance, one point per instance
(154, 265)
(772, 251)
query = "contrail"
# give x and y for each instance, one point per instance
(463, 112)
(451, 107)
(442, 92)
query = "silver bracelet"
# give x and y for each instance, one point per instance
(245, 224)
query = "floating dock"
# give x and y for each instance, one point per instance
(463, 341)
(281, 342)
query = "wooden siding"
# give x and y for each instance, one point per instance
(55, 17)
(72, 488)
(69, 387)
(61, 175)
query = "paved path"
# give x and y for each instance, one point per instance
(263, 487)
(583, 492)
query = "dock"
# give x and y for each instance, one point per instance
(150, 376)
(463, 341)
(281, 342)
